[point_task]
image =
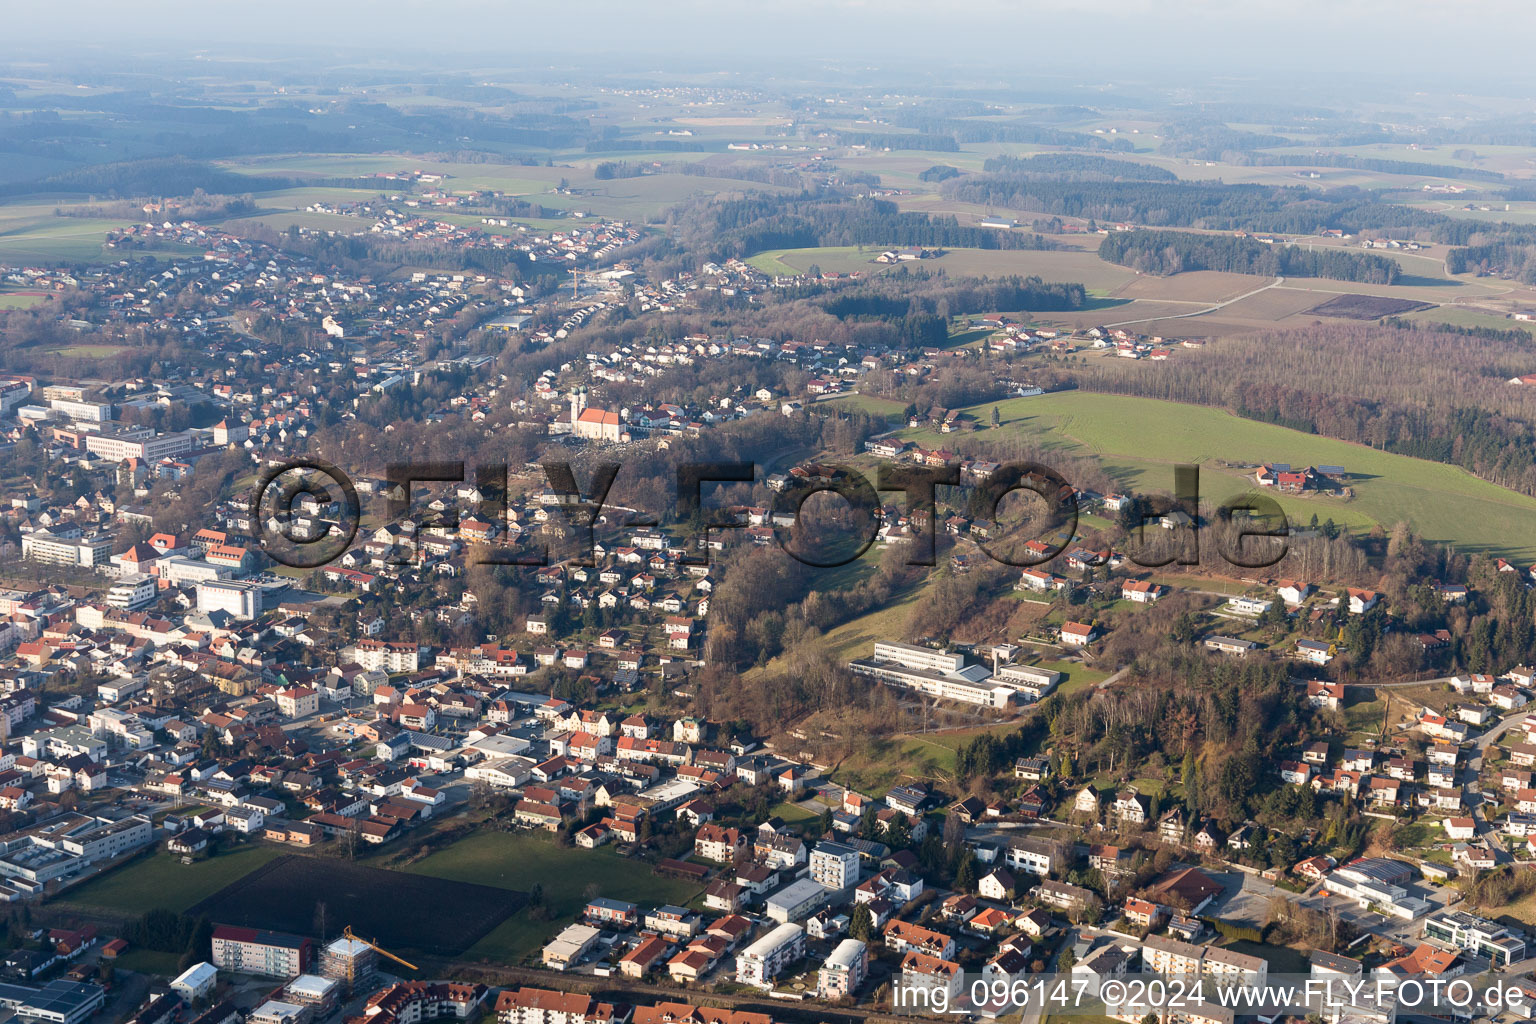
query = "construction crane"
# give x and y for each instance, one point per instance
(348, 934)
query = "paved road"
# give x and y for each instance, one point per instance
(1298, 681)
(1114, 678)
(1250, 901)
(1472, 773)
(1200, 312)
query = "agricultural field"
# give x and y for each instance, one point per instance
(1099, 277)
(512, 178)
(403, 911)
(1191, 286)
(160, 880)
(1367, 307)
(56, 240)
(515, 862)
(639, 198)
(1140, 439)
(1461, 316)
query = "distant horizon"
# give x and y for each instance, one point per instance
(1407, 51)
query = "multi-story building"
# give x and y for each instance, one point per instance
(234, 597)
(409, 1002)
(255, 951)
(297, 701)
(1163, 955)
(902, 936)
(181, 571)
(144, 445)
(929, 980)
(392, 657)
(50, 549)
(1475, 935)
(1227, 965)
(545, 1006)
(1037, 856)
(69, 844)
(131, 593)
(938, 674)
(834, 866)
(765, 959)
(82, 412)
(349, 959)
(719, 843)
(843, 971)
(796, 901)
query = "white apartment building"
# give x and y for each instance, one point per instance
(765, 959)
(132, 592)
(82, 412)
(50, 549)
(844, 970)
(1162, 955)
(393, 658)
(131, 445)
(237, 598)
(834, 866)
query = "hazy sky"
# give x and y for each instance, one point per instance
(1465, 41)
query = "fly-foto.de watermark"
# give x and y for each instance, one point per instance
(305, 513)
(931, 987)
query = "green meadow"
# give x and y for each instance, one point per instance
(1140, 440)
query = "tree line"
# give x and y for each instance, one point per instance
(1172, 252)
(898, 295)
(1097, 193)
(1077, 167)
(741, 227)
(1438, 395)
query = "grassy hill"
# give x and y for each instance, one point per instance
(1140, 439)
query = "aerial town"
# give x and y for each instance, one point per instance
(595, 544)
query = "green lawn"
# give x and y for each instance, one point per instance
(510, 860)
(1420, 833)
(791, 814)
(856, 637)
(91, 351)
(887, 762)
(1365, 716)
(1139, 440)
(56, 240)
(841, 259)
(1074, 677)
(1282, 959)
(148, 961)
(162, 882)
(887, 407)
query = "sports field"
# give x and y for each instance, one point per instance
(21, 300)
